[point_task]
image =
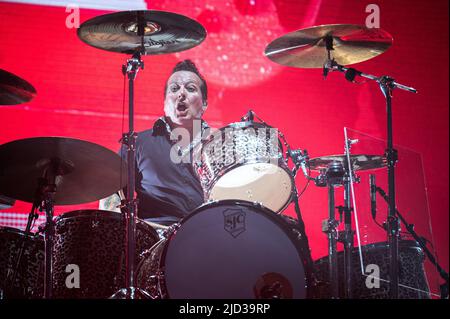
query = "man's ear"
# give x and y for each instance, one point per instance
(205, 105)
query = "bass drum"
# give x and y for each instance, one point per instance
(21, 274)
(94, 240)
(228, 250)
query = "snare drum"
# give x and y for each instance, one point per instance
(228, 249)
(94, 240)
(244, 161)
(26, 280)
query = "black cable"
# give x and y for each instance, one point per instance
(306, 185)
(432, 257)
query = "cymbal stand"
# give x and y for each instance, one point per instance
(49, 233)
(129, 143)
(53, 169)
(387, 85)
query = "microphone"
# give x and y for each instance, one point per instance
(326, 69)
(303, 167)
(299, 159)
(373, 193)
(248, 117)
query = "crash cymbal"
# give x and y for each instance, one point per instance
(87, 171)
(14, 90)
(306, 48)
(162, 32)
(360, 162)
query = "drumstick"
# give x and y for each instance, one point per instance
(155, 225)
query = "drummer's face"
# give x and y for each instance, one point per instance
(184, 102)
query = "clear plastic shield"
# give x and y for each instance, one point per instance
(418, 277)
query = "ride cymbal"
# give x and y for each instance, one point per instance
(147, 32)
(86, 171)
(360, 162)
(307, 48)
(14, 90)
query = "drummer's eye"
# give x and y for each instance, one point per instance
(191, 88)
(174, 88)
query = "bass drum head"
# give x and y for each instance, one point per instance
(234, 250)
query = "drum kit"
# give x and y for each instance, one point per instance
(236, 245)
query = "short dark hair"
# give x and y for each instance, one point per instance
(188, 65)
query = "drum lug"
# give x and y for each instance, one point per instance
(154, 279)
(172, 229)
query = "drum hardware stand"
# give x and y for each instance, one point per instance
(299, 159)
(332, 177)
(45, 200)
(131, 69)
(346, 236)
(420, 240)
(337, 174)
(387, 85)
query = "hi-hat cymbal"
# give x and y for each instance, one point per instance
(147, 32)
(306, 48)
(360, 162)
(14, 90)
(87, 171)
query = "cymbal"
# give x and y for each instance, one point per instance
(87, 171)
(306, 48)
(14, 90)
(6, 202)
(162, 32)
(360, 162)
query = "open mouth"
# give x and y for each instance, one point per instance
(181, 107)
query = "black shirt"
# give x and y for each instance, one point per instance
(166, 191)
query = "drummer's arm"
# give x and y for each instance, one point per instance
(111, 203)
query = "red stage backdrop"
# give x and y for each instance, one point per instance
(80, 91)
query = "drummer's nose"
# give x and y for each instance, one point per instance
(182, 94)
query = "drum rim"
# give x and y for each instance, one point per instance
(87, 213)
(99, 214)
(403, 244)
(276, 218)
(20, 232)
(242, 124)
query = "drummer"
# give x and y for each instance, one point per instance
(166, 185)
